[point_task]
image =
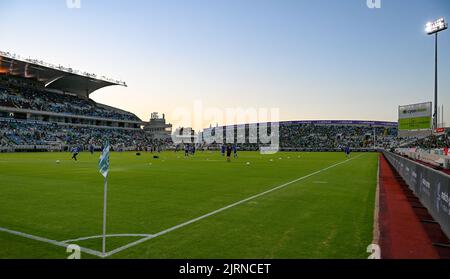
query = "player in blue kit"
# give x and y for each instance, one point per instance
(223, 149)
(75, 152)
(235, 151)
(186, 150)
(347, 151)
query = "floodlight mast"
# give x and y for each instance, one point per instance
(434, 28)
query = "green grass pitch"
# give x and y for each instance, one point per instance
(326, 215)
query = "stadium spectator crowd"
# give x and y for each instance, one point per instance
(19, 94)
(431, 142)
(40, 100)
(292, 137)
(335, 136)
(38, 134)
(319, 137)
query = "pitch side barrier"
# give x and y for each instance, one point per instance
(356, 150)
(432, 187)
(299, 149)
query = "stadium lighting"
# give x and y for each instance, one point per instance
(434, 28)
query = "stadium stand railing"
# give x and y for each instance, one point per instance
(435, 157)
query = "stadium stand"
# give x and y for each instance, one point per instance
(22, 96)
(431, 142)
(431, 150)
(61, 137)
(45, 107)
(322, 135)
(335, 136)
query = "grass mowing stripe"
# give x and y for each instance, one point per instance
(225, 208)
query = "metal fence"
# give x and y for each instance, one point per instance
(430, 186)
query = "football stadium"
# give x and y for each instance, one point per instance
(80, 179)
(169, 200)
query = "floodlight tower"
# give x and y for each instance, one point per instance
(434, 28)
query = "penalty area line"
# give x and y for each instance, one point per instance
(132, 244)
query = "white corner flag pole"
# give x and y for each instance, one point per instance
(103, 165)
(105, 198)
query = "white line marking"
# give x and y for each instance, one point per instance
(49, 241)
(108, 236)
(132, 244)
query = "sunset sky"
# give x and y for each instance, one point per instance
(316, 59)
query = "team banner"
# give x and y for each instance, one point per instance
(415, 117)
(430, 186)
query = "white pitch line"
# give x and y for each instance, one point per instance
(132, 244)
(108, 236)
(49, 241)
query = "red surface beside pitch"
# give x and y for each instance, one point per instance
(403, 234)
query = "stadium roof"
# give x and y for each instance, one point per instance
(54, 77)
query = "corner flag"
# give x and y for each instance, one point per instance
(103, 166)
